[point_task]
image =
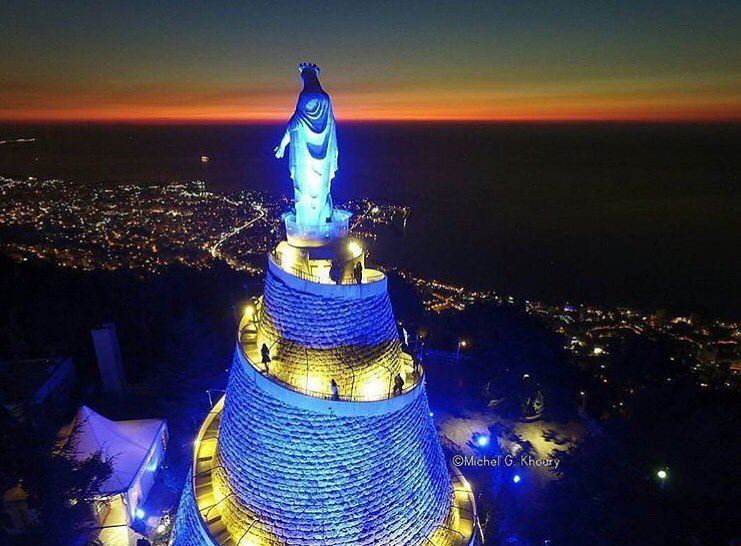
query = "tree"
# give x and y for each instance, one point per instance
(609, 492)
(59, 486)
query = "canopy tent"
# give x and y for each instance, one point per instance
(127, 444)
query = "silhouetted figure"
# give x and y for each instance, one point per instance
(335, 272)
(357, 272)
(398, 384)
(265, 353)
(335, 390)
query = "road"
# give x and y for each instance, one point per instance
(229, 234)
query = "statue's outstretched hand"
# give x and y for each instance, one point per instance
(279, 151)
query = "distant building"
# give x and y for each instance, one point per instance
(110, 363)
(28, 389)
(197, 186)
(35, 385)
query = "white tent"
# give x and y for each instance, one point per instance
(135, 450)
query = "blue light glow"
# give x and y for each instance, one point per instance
(516, 478)
(482, 440)
(312, 141)
(140, 514)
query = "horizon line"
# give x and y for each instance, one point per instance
(710, 120)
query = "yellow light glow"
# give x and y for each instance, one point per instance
(287, 258)
(249, 311)
(315, 383)
(355, 249)
(374, 389)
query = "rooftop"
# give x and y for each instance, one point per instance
(22, 380)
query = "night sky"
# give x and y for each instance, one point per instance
(517, 60)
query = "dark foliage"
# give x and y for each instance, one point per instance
(176, 331)
(609, 492)
(58, 486)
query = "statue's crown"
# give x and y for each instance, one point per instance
(302, 66)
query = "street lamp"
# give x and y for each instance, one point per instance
(462, 343)
(662, 474)
(481, 440)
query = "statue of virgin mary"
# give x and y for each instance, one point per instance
(312, 137)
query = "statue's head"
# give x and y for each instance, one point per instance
(310, 76)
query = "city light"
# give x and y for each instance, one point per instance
(662, 474)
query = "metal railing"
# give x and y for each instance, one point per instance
(327, 395)
(250, 353)
(369, 275)
(203, 467)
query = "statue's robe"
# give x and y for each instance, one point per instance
(313, 156)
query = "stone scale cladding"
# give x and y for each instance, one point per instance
(347, 339)
(188, 524)
(316, 478)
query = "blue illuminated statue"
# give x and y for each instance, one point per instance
(312, 137)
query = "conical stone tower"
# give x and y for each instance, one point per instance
(324, 436)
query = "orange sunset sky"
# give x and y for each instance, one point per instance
(197, 62)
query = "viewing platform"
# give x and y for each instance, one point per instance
(318, 271)
(311, 377)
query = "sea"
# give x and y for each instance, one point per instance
(638, 215)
